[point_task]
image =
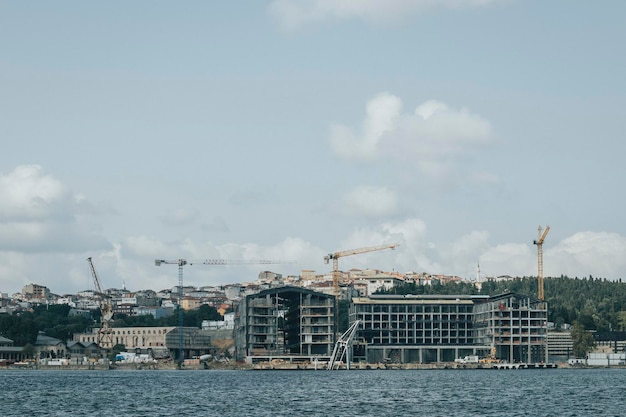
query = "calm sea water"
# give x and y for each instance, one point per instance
(560, 392)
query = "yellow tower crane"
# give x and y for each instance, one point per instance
(335, 257)
(105, 340)
(541, 236)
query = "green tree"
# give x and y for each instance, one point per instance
(582, 341)
(29, 351)
(621, 321)
(20, 328)
(116, 349)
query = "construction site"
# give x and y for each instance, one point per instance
(297, 325)
(293, 325)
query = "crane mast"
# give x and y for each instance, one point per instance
(181, 263)
(343, 347)
(541, 236)
(105, 340)
(336, 255)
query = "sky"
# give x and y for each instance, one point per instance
(285, 130)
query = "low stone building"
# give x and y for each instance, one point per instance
(49, 347)
(195, 342)
(9, 352)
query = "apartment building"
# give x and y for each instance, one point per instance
(289, 322)
(440, 328)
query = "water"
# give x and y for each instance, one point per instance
(560, 392)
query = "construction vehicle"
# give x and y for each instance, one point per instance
(491, 358)
(336, 255)
(467, 359)
(105, 340)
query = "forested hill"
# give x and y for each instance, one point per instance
(597, 304)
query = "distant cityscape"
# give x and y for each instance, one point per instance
(163, 302)
(295, 319)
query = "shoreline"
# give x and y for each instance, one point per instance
(303, 366)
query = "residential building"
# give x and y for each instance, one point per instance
(560, 346)
(36, 293)
(440, 328)
(369, 285)
(515, 325)
(290, 322)
(190, 303)
(156, 312)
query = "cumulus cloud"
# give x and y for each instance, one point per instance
(39, 213)
(431, 137)
(293, 14)
(382, 113)
(291, 255)
(580, 255)
(414, 253)
(515, 259)
(370, 201)
(131, 261)
(28, 194)
(600, 254)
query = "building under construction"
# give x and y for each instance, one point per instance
(286, 322)
(441, 328)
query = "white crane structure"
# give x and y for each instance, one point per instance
(539, 242)
(343, 348)
(335, 257)
(181, 263)
(105, 339)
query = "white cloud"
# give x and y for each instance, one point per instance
(28, 194)
(515, 259)
(463, 254)
(431, 138)
(131, 262)
(382, 113)
(600, 254)
(370, 201)
(414, 252)
(296, 254)
(39, 213)
(293, 14)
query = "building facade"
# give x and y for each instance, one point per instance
(515, 325)
(195, 342)
(439, 328)
(560, 346)
(287, 321)
(9, 353)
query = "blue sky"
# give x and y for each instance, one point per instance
(290, 129)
